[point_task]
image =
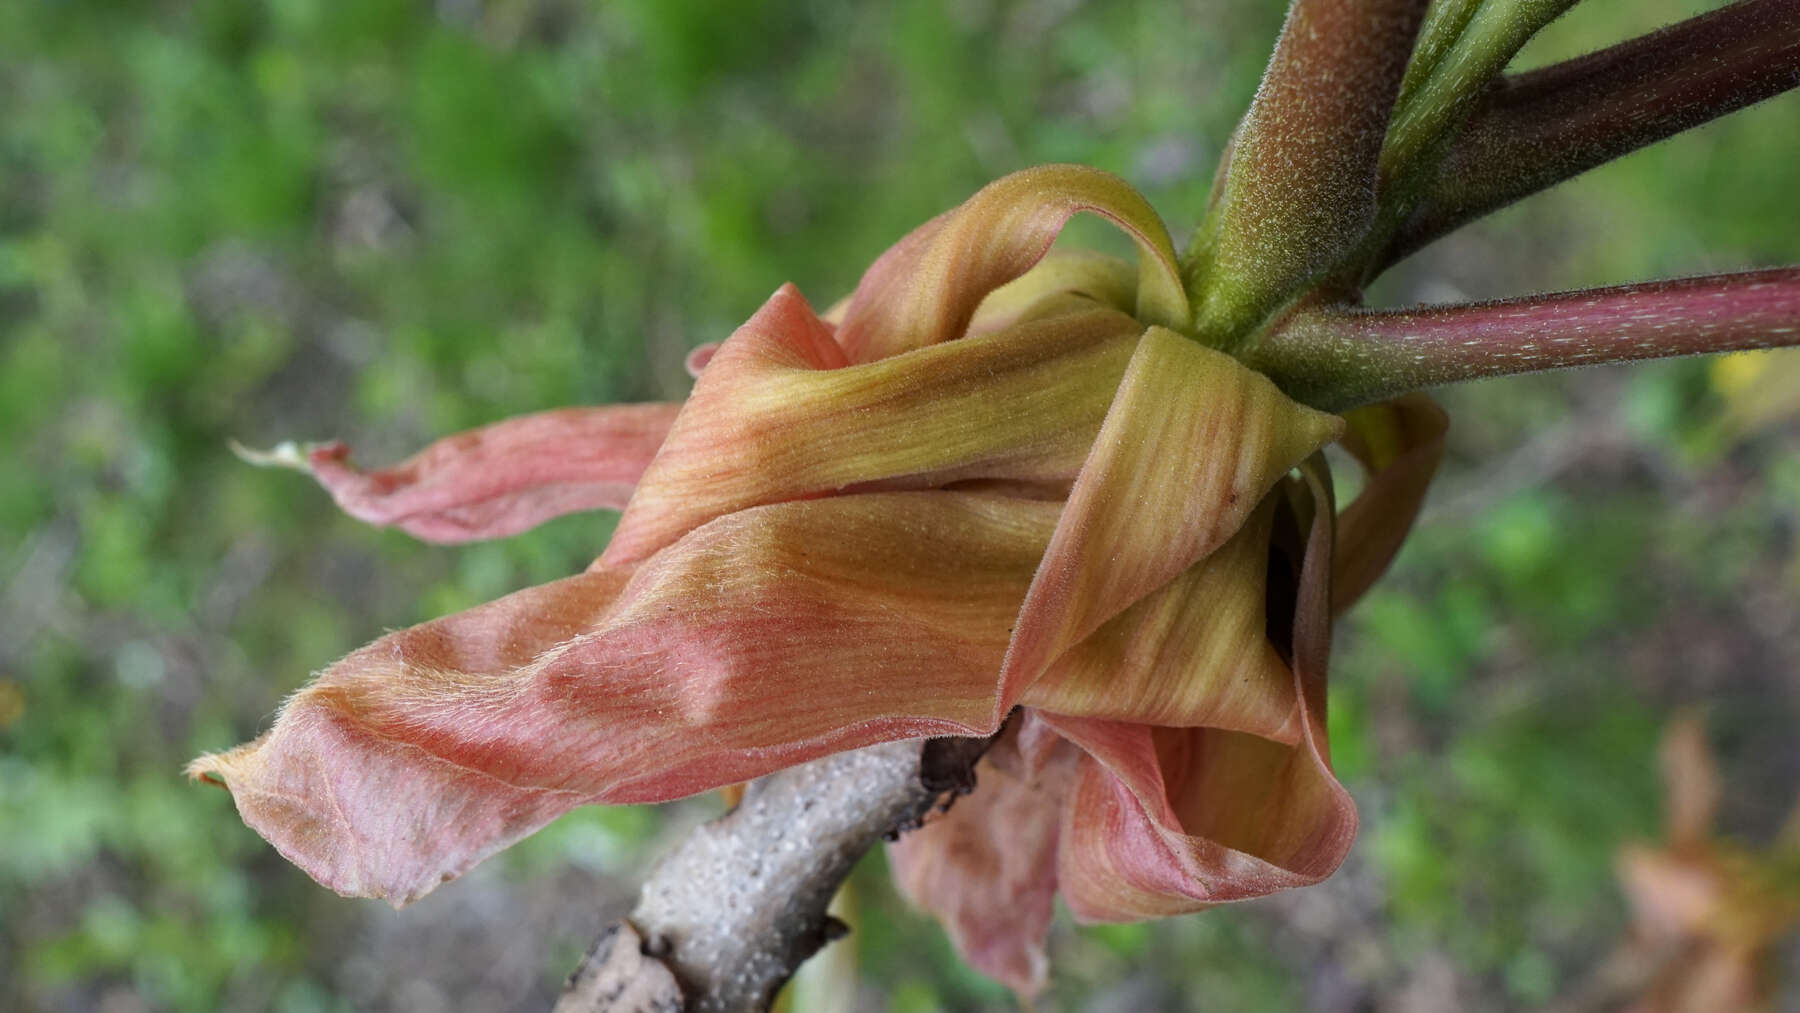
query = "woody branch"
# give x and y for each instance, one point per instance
(728, 916)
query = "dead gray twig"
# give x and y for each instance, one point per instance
(727, 917)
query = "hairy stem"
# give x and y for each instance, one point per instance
(1463, 47)
(727, 917)
(1537, 129)
(1339, 357)
(1299, 187)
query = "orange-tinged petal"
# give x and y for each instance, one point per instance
(886, 613)
(927, 286)
(1168, 820)
(772, 419)
(767, 638)
(503, 478)
(1097, 277)
(1191, 444)
(1309, 635)
(1673, 895)
(1193, 652)
(371, 807)
(1399, 443)
(1690, 782)
(987, 868)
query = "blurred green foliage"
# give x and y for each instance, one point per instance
(386, 220)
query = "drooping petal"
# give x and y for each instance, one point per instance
(1191, 444)
(1399, 444)
(370, 807)
(764, 639)
(987, 868)
(1168, 820)
(503, 478)
(925, 288)
(886, 613)
(1193, 652)
(1235, 816)
(774, 418)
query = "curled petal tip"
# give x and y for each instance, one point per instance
(289, 454)
(204, 769)
(499, 479)
(698, 358)
(926, 288)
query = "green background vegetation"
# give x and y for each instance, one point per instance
(385, 221)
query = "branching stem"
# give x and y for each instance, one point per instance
(1537, 129)
(1469, 46)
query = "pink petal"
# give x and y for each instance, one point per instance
(698, 358)
(506, 477)
(777, 416)
(987, 868)
(371, 808)
(767, 638)
(926, 287)
(1191, 444)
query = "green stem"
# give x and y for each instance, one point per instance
(1444, 23)
(1438, 102)
(1340, 357)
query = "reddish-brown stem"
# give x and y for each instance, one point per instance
(1339, 357)
(1299, 188)
(1537, 129)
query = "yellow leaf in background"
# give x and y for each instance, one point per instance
(12, 703)
(1760, 389)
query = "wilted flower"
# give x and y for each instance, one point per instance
(1706, 914)
(980, 485)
